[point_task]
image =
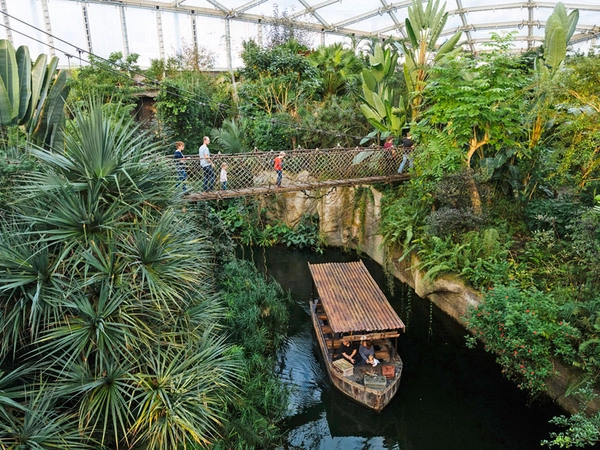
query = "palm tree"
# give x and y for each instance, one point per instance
(230, 137)
(104, 291)
(339, 70)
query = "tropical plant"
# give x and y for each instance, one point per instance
(557, 33)
(476, 103)
(32, 95)
(574, 159)
(421, 51)
(339, 70)
(104, 291)
(112, 80)
(284, 28)
(231, 137)
(382, 105)
(524, 330)
(189, 106)
(257, 319)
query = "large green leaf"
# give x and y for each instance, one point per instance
(9, 75)
(379, 104)
(369, 80)
(369, 113)
(572, 23)
(377, 124)
(411, 34)
(447, 47)
(6, 116)
(556, 45)
(436, 30)
(24, 70)
(38, 73)
(52, 114)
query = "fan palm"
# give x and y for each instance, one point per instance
(339, 69)
(230, 137)
(104, 291)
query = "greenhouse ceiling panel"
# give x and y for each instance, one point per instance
(158, 29)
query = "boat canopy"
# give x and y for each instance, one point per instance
(352, 300)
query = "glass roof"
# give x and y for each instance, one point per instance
(159, 28)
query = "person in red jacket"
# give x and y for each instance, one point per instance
(278, 166)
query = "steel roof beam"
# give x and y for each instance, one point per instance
(87, 27)
(124, 31)
(9, 35)
(217, 5)
(587, 32)
(398, 25)
(213, 13)
(315, 14)
(339, 28)
(48, 26)
(463, 19)
(249, 5)
(530, 25)
(372, 13)
(309, 9)
(525, 4)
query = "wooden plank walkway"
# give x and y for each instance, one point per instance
(295, 187)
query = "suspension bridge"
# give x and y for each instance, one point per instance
(253, 173)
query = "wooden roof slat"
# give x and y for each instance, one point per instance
(352, 300)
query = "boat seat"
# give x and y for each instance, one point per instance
(322, 316)
(326, 329)
(383, 355)
(336, 344)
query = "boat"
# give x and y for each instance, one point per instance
(347, 304)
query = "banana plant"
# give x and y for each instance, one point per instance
(382, 106)
(424, 27)
(32, 94)
(560, 26)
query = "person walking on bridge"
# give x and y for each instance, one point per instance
(179, 158)
(408, 146)
(207, 165)
(278, 166)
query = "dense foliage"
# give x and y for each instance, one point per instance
(98, 287)
(112, 319)
(503, 195)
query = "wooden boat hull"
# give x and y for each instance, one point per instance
(375, 399)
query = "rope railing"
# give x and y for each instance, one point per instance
(301, 168)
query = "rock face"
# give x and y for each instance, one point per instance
(342, 212)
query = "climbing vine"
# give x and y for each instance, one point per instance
(362, 197)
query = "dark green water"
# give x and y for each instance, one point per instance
(450, 398)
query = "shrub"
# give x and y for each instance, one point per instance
(523, 329)
(554, 214)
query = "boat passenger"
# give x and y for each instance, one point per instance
(349, 350)
(372, 361)
(366, 349)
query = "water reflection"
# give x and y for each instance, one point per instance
(450, 397)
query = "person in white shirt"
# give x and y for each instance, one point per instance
(207, 165)
(223, 176)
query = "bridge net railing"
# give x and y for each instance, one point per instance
(300, 167)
